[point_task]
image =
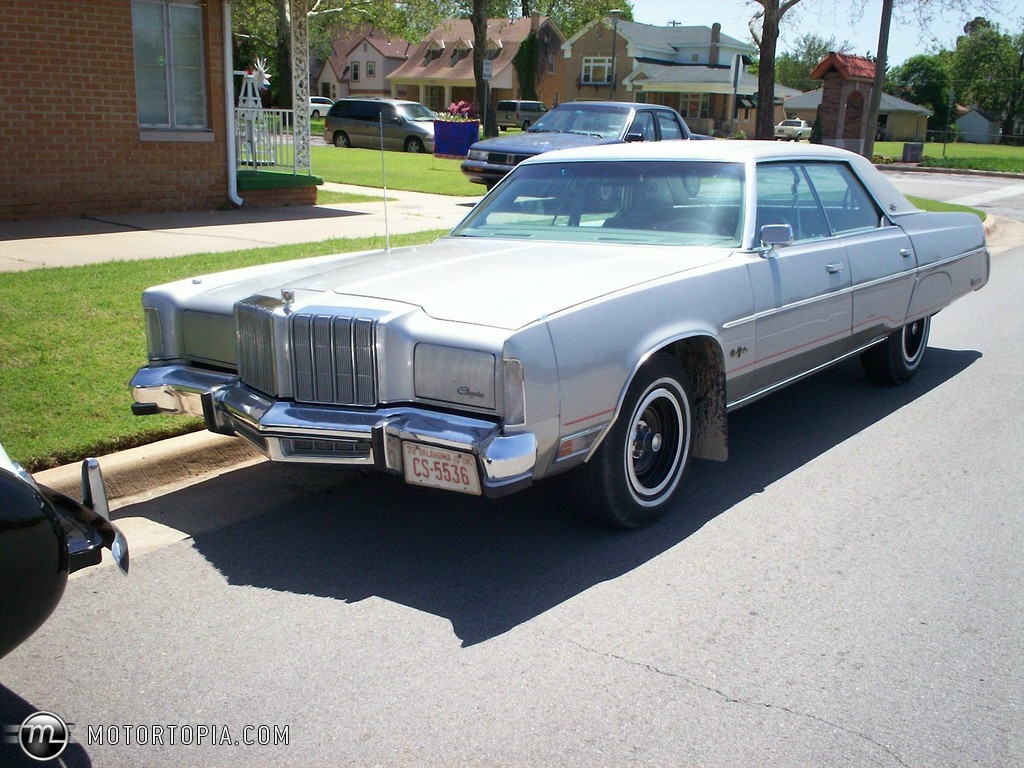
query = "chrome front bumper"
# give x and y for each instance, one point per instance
(293, 432)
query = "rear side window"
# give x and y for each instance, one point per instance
(669, 127)
(848, 206)
(505, 106)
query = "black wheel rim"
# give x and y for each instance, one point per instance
(656, 446)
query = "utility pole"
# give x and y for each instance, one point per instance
(615, 36)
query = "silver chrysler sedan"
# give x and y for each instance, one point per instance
(601, 310)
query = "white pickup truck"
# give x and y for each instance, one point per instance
(793, 130)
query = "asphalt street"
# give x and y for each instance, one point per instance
(845, 590)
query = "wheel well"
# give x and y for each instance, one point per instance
(704, 363)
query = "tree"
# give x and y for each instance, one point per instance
(924, 79)
(793, 68)
(766, 37)
(988, 70)
(262, 28)
(570, 16)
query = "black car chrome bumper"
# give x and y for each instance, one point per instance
(293, 432)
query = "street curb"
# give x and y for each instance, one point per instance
(148, 467)
(903, 167)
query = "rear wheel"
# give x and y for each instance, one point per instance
(633, 478)
(341, 139)
(896, 360)
(412, 144)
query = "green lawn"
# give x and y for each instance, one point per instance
(934, 205)
(983, 157)
(73, 337)
(404, 170)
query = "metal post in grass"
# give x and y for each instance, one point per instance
(949, 114)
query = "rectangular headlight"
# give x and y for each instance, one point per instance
(479, 155)
(453, 375)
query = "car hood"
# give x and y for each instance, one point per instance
(498, 283)
(535, 142)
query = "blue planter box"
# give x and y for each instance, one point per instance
(454, 138)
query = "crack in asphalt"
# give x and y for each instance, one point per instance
(744, 702)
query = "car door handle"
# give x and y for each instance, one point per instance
(834, 269)
(906, 253)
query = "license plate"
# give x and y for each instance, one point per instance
(440, 468)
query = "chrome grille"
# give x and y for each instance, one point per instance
(334, 359)
(254, 323)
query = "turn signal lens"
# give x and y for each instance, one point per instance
(515, 394)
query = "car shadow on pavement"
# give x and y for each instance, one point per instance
(491, 565)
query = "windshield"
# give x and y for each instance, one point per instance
(664, 202)
(416, 112)
(591, 120)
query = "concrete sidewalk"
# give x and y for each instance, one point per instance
(90, 240)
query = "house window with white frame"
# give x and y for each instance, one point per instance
(170, 71)
(597, 70)
(694, 105)
(355, 71)
(371, 69)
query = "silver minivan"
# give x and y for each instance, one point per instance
(403, 125)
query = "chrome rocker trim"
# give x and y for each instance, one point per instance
(293, 432)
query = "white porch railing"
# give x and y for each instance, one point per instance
(265, 140)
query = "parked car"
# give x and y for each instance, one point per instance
(44, 536)
(601, 311)
(518, 114)
(576, 124)
(405, 125)
(793, 130)
(319, 105)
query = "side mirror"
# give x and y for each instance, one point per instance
(774, 235)
(631, 137)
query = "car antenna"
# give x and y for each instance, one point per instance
(384, 182)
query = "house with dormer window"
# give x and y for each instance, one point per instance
(439, 71)
(698, 71)
(360, 64)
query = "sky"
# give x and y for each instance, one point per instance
(842, 19)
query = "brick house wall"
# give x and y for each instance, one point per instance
(68, 118)
(597, 42)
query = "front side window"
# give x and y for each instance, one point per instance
(785, 196)
(643, 124)
(597, 70)
(170, 73)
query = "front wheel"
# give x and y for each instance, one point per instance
(633, 477)
(896, 360)
(412, 144)
(341, 140)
